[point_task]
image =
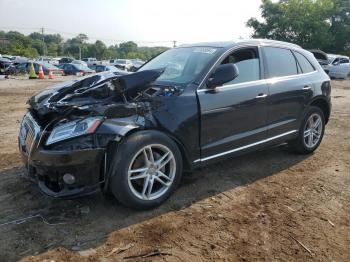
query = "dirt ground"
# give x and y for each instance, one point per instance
(271, 205)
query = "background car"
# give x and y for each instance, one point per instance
(79, 62)
(91, 61)
(111, 61)
(123, 64)
(338, 66)
(25, 67)
(65, 60)
(102, 68)
(136, 64)
(76, 69)
(19, 59)
(4, 63)
(47, 60)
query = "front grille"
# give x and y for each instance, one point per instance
(29, 131)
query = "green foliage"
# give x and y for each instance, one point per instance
(32, 46)
(322, 24)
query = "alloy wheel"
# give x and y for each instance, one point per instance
(313, 130)
(151, 172)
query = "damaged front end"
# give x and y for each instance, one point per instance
(66, 135)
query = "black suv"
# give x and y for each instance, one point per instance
(133, 134)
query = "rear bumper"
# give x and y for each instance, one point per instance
(48, 167)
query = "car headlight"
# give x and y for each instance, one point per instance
(74, 129)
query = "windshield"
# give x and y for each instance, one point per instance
(182, 65)
(330, 58)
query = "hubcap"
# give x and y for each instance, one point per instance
(313, 130)
(151, 172)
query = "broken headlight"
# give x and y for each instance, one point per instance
(74, 129)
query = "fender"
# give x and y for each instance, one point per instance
(121, 126)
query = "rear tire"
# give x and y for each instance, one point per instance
(311, 131)
(146, 169)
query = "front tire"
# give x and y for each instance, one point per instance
(311, 131)
(146, 170)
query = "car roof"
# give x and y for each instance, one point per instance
(229, 44)
(338, 56)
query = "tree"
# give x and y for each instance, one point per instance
(323, 24)
(15, 43)
(82, 38)
(304, 22)
(100, 50)
(340, 26)
(127, 47)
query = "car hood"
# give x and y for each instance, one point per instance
(103, 88)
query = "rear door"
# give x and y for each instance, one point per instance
(233, 116)
(289, 90)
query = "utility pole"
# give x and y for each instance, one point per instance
(43, 39)
(174, 43)
(79, 52)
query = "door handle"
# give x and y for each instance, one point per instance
(261, 96)
(307, 88)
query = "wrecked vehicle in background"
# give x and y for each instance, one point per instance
(133, 134)
(336, 66)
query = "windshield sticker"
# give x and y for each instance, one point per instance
(206, 50)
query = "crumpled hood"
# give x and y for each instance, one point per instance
(98, 89)
(59, 94)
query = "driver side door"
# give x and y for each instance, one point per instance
(234, 116)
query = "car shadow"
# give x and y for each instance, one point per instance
(31, 223)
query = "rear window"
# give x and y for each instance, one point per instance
(344, 60)
(306, 66)
(280, 62)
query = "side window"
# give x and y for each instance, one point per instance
(280, 62)
(336, 61)
(306, 66)
(247, 62)
(344, 60)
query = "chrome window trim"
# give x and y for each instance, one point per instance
(244, 147)
(268, 80)
(261, 81)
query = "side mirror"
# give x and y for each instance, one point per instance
(223, 74)
(336, 63)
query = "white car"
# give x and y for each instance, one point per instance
(123, 64)
(338, 66)
(79, 62)
(91, 61)
(49, 60)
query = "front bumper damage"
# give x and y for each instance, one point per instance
(48, 167)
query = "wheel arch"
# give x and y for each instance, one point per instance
(184, 154)
(323, 104)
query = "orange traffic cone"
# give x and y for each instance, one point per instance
(41, 72)
(51, 75)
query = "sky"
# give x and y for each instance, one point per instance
(147, 22)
